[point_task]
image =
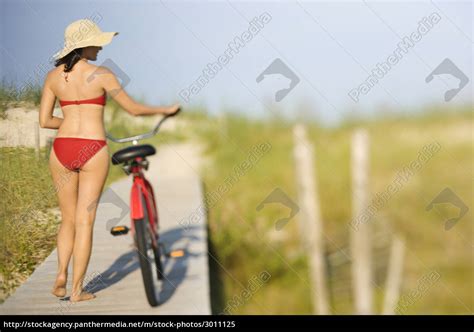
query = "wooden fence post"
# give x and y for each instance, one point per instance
(394, 276)
(361, 266)
(310, 218)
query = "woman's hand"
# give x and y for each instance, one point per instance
(169, 110)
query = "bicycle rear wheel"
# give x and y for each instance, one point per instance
(143, 240)
(159, 265)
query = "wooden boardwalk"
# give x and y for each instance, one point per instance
(114, 274)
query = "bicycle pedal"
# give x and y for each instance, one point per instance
(119, 230)
(176, 253)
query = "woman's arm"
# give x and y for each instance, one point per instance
(46, 118)
(112, 86)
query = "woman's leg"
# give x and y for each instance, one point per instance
(91, 181)
(65, 183)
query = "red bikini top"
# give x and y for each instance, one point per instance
(99, 101)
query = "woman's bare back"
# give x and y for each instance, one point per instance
(84, 120)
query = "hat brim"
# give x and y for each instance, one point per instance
(100, 40)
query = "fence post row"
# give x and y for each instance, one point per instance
(311, 229)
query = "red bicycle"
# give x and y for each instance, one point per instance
(143, 208)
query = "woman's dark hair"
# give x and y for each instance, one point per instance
(69, 60)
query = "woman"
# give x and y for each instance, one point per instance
(80, 149)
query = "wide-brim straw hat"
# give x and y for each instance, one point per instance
(83, 33)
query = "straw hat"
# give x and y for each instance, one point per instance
(83, 33)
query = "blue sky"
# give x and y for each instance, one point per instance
(331, 47)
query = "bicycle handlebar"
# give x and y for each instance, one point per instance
(145, 135)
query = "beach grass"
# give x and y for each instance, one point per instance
(247, 244)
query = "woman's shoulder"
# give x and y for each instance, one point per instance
(55, 72)
(100, 72)
(98, 69)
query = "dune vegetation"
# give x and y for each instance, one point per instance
(255, 268)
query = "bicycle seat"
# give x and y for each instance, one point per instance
(132, 152)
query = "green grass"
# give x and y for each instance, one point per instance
(13, 96)
(246, 243)
(243, 241)
(28, 230)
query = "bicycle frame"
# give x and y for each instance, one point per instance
(142, 187)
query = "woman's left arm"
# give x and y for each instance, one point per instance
(46, 118)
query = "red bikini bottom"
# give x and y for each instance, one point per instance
(74, 152)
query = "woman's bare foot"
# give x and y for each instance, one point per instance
(81, 296)
(59, 288)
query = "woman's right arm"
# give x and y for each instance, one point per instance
(112, 86)
(46, 118)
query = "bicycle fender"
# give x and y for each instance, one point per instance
(136, 209)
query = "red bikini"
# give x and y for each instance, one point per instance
(74, 152)
(99, 101)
